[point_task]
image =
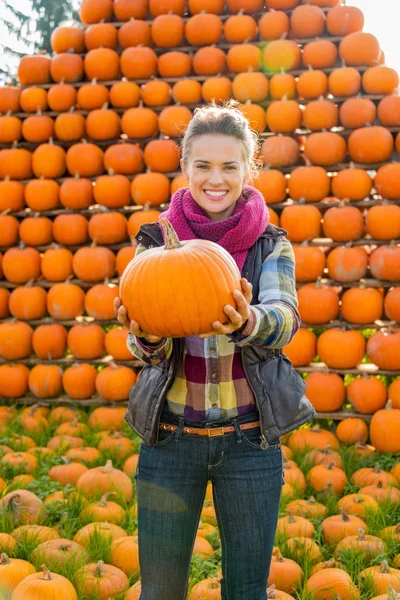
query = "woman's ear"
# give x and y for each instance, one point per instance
(183, 168)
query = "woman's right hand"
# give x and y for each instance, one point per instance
(133, 326)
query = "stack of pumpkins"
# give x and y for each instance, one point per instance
(89, 152)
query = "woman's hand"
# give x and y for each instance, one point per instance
(133, 326)
(237, 318)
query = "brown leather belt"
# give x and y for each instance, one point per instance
(211, 432)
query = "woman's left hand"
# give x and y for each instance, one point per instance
(236, 318)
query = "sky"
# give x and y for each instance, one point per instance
(381, 18)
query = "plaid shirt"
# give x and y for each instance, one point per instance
(210, 384)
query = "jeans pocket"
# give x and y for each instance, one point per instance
(164, 437)
(252, 437)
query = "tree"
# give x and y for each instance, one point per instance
(26, 27)
(49, 14)
(15, 39)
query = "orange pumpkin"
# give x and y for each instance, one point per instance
(146, 316)
(341, 349)
(359, 48)
(45, 381)
(79, 381)
(65, 301)
(326, 392)
(362, 305)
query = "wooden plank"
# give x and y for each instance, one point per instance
(106, 323)
(316, 242)
(256, 15)
(367, 368)
(285, 170)
(61, 401)
(70, 360)
(132, 208)
(200, 78)
(157, 109)
(344, 414)
(369, 282)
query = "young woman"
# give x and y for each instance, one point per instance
(212, 407)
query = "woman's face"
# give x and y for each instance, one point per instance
(216, 171)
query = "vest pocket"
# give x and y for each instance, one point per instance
(284, 388)
(144, 397)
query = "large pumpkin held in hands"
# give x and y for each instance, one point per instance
(181, 288)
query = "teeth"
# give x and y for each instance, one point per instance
(215, 194)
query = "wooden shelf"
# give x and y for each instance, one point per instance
(132, 208)
(187, 16)
(369, 282)
(200, 78)
(367, 368)
(223, 45)
(157, 109)
(143, 141)
(285, 170)
(341, 415)
(93, 402)
(108, 322)
(318, 242)
(70, 360)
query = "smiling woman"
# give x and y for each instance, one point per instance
(212, 383)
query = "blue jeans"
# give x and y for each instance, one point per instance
(171, 483)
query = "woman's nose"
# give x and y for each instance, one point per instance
(216, 177)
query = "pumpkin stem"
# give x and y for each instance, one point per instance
(103, 499)
(271, 591)
(170, 237)
(384, 567)
(379, 484)
(4, 560)
(98, 572)
(330, 466)
(47, 576)
(312, 500)
(361, 534)
(329, 564)
(108, 467)
(376, 469)
(291, 517)
(345, 516)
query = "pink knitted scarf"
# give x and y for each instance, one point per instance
(236, 234)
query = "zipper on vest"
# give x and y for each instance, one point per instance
(264, 444)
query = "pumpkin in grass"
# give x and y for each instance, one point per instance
(100, 580)
(352, 430)
(23, 507)
(369, 545)
(105, 418)
(44, 585)
(358, 504)
(381, 576)
(210, 586)
(148, 316)
(125, 554)
(12, 572)
(285, 573)
(102, 530)
(58, 552)
(100, 480)
(104, 510)
(326, 583)
(337, 527)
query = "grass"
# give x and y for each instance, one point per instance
(65, 516)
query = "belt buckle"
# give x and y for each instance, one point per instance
(219, 431)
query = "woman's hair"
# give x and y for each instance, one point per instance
(224, 119)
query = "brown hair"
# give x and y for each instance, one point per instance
(225, 119)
